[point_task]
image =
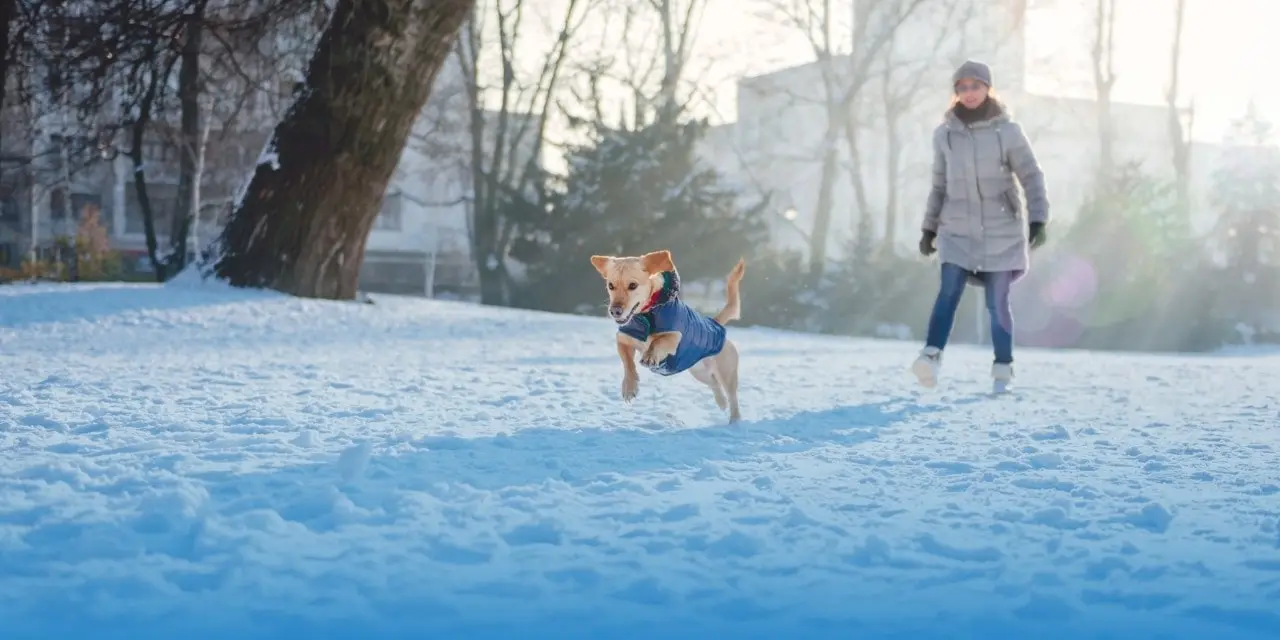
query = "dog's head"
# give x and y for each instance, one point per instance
(632, 281)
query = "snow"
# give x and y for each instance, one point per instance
(196, 461)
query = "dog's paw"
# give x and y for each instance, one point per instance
(630, 388)
(655, 355)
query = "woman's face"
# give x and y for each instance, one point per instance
(971, 92)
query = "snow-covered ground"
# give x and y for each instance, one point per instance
(188, 463)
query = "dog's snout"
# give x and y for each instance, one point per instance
(616, 310)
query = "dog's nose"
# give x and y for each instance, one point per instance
(616, 311)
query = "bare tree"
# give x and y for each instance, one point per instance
(1102, 56)
(507, 125)
(845, 74)
(189, 90)
(150, 76)
(61, 64)
(819, 22)
(305, 216)
(679, 29)
(1179, 138)
(645, 50)
(95, 80)
(251, 70)
(243, 40)
(8, 20)
(194, 37)
(903, 82)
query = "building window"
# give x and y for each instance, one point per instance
(79, 203)
(389, 215)
(58, 203)
(78, 151)
(163, 197)
(82, 203)
(10, 210)
(160, 152)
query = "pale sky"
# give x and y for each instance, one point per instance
(1231, 52)
(1229, 47)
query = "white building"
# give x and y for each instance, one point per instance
(776, 144)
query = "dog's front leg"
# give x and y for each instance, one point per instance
(627, 347)
(661, 346)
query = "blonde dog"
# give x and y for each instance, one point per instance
(644, 300)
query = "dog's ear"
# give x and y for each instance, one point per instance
(600, 263)
(657, 262)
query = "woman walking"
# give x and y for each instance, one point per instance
(975, 219)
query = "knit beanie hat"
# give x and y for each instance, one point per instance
(972, 69)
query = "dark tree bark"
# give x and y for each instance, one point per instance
(8, 13)
(137, 138)
(189, 148)
(303, 220)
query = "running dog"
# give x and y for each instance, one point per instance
(644, 300)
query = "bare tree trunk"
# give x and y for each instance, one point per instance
(861, 202)
(189, 98)
(504, 157)
(893, 157)
(489, 258)
(1179, 139)
(197, 181)
(8, 13)
(138, 131)
(893, 143)
(822, 216)
(676, 40)
(302, 224)
(1104, 79)
(873, 30)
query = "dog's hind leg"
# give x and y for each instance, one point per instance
(725, 370)
(704, 372)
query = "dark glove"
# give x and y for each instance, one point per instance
(1036, 234)
(926, 243)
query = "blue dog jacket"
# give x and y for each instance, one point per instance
(700, 336)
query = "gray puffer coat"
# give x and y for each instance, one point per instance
(974, 205)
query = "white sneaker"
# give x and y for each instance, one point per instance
(1001, 377)
(926, 366)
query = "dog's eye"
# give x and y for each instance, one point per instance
(611, 286)
(632, 286)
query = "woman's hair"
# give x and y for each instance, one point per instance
(991, 95)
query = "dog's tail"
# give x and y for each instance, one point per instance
(733, 304)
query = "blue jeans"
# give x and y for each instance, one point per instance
(997, 285)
